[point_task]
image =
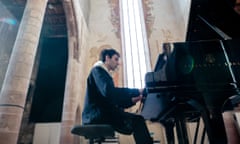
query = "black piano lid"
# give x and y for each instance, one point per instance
(219, 14)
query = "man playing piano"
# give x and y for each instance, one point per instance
(105, 103)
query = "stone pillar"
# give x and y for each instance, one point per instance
(70, 105)
(72, 80)
(17, 79)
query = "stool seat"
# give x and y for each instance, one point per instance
(94, 131)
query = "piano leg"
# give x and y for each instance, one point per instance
(215, 127)
(213, 121)
(169, 129)
(181, 130)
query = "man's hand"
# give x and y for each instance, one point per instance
(142, 95)
(141, 91)
(136, 99)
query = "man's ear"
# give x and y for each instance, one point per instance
(107, 57)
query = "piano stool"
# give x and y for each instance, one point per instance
(96, 133)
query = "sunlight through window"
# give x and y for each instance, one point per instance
(134, 41)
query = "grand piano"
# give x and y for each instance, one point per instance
(200, 78)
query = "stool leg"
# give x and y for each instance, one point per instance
(91, 141)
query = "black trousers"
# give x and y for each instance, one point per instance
(129, 123)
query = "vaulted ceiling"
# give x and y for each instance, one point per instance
(54, 21)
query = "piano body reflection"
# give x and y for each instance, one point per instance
(200, 77)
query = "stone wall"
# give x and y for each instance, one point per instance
(103, 28)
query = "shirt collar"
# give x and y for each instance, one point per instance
(102, 65)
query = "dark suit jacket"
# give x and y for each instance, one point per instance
(104, 103)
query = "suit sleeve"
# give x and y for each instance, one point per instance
(121, 97)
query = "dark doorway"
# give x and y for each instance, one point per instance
(48, 95)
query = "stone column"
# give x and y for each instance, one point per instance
(17, 79)
(71, 86)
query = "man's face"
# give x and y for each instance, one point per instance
(112, 63)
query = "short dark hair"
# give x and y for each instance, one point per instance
(108, 52)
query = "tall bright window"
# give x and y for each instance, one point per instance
(134, 42)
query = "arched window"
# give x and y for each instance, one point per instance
(134, 43)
